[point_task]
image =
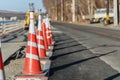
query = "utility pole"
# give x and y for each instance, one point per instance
(107, 12)
(116, 15)
(62, 10)
(73, 11)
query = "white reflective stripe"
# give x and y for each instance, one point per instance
(32, 29)
(32, 56)
(32, 44)
(40, 37)
(39, 22)
(47, 31)
(2, 76)
(50, 31)
(43, 20)
(41, 46)
(46, 22)
(48, 37)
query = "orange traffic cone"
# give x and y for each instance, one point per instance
(50, 29)
(51, 36)
(40, 40)
(2, 74)
(32, 61)
(44, 34)
(48, 32)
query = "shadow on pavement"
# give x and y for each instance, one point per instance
(113, 77)
(72, 47)
(73, 63)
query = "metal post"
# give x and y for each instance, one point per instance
(116, 16)
(107, 12)
(40, 11)
(73, 10)
(31, 7)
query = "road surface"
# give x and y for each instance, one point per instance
(85, 53)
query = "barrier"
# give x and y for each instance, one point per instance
(5, 29)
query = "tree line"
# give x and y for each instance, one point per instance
(58, 8)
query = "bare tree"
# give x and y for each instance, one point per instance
(83, 7)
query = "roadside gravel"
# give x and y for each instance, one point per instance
(13, 68)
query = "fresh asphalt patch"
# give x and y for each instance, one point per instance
(72, 61)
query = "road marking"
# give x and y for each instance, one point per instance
(57, 31)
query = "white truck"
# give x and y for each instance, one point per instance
(99, 16)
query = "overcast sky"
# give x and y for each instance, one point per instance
(20, 5)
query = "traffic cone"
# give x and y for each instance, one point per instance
(44, 34)
(2, 74)
(32, 61)
(48, 32)
(51, 37)
(40, 40)
(32, 68)
(49, 29)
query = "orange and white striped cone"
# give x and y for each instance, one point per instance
(48, 32)
(50, 35)
(32, 68)
(32, 61)
(40, 40)
(51, 39)
(2, 74)
(44, 34)
(49, 51)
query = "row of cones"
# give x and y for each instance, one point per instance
(37, 47)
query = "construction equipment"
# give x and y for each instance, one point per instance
(27, 20)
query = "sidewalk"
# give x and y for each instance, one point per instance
(72, 61)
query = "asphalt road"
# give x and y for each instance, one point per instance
(85, 53)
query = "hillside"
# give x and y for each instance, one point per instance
(83, 7)
(8, 14)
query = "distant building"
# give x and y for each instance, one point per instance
(1, 19)
(13, 18)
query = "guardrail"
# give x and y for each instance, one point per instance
(7, 28)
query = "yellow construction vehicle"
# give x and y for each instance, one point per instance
(27, 19)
